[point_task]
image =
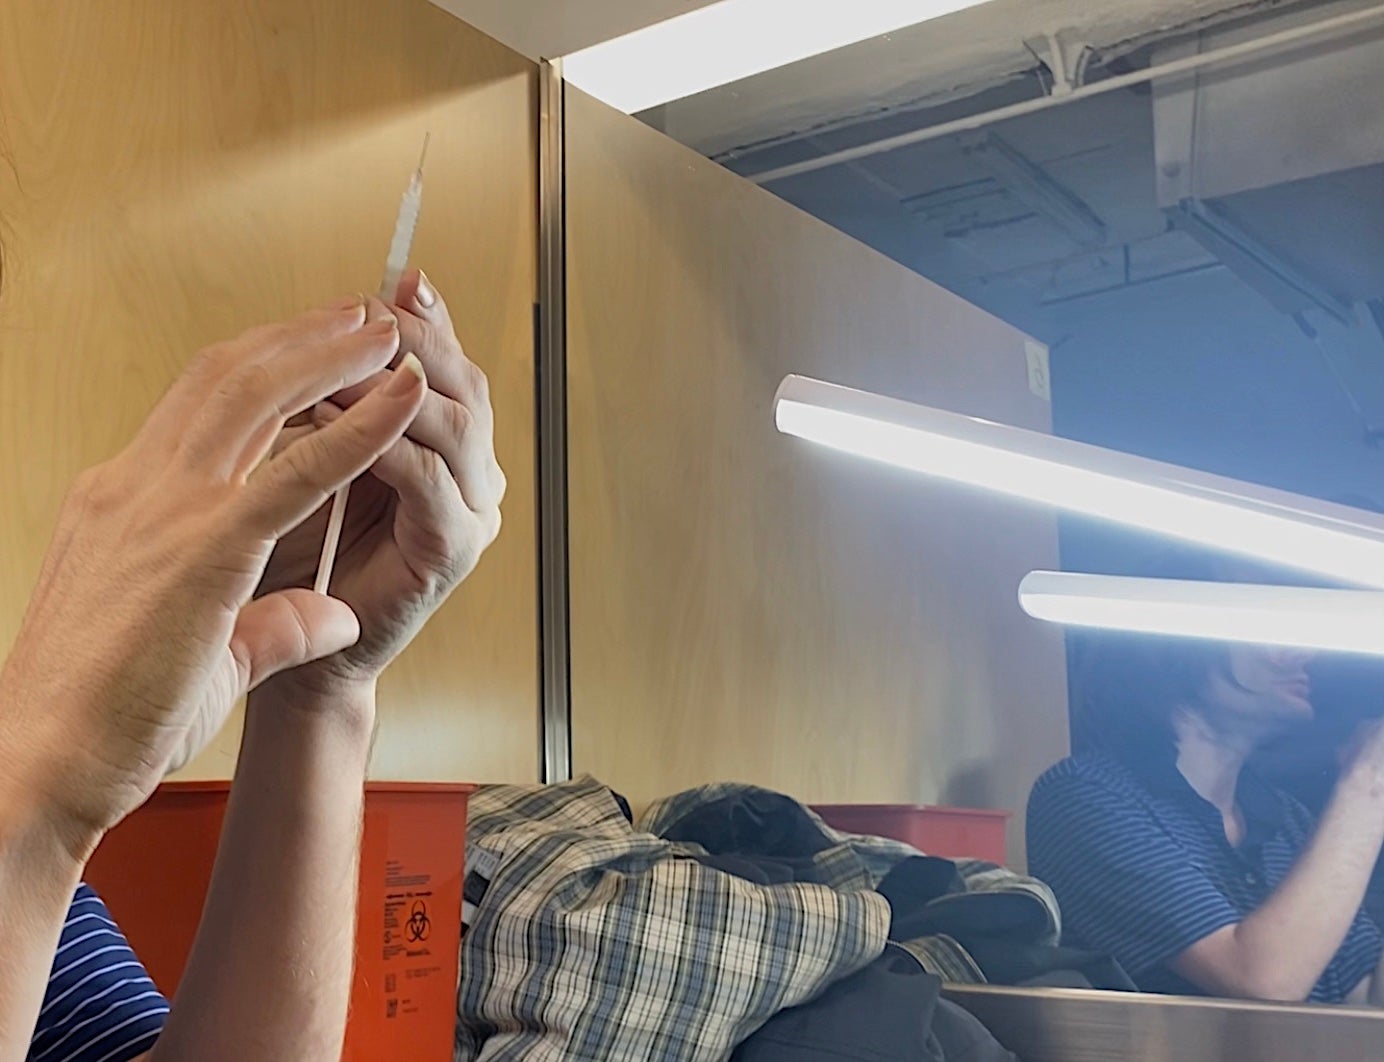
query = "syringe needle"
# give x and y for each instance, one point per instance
(423, 155)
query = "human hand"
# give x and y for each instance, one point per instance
(419, 520)
(144, 628)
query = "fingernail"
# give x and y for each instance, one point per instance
(353, 309)
(426, 296)
(407, 376)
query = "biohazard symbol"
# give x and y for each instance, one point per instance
(419, 924)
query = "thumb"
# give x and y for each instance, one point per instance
(284, 630)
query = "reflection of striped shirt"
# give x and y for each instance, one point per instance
(1143, 869)
(100, 1005)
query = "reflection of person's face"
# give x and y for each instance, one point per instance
(1266, 687)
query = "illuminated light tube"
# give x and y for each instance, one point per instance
(1345, 621)
(1336, 541)
(733, 39)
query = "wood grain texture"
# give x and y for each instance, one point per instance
(746, 606)
(173, 171)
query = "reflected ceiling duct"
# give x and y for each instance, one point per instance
(1233, 152)
(1286, 287)
(1277, 171)
(1032, 186)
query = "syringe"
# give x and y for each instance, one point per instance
(407, 221)
(395, 264)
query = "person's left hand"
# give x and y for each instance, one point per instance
(418, 522)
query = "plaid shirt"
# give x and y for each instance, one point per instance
(589, 939)
(854, 862)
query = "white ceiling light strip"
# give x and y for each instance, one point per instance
(1332, 540)
(1301, 617)
(731, 40)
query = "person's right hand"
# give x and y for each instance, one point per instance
(143, 628)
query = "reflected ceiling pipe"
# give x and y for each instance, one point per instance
(1346, 621)
(1339, 25)
(1335, 541)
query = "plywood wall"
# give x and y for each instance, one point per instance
(173, 171)
(745, 606)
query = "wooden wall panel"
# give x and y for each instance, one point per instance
(745, 606)
(172, 171)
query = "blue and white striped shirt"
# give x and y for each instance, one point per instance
(1143, 870)
(100, 1005)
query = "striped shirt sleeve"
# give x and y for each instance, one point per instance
(1125, 887)
(100, 1005)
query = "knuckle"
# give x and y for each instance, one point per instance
(249, 385)
(99, 489)
(460, 561)
(446, 563)
(291, 436)
(253, 340)
(459, 420)
(500, 480)
(306, 464)
(433, 469)
(301, 635)
(87, 490)
(87, 480)
(349, 441)
(476, 381)
(214, 361)
(265, 335)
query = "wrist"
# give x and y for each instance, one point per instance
(35, 828)
(43, 810)
(319, 694)
(46, 842)
(297, 726)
